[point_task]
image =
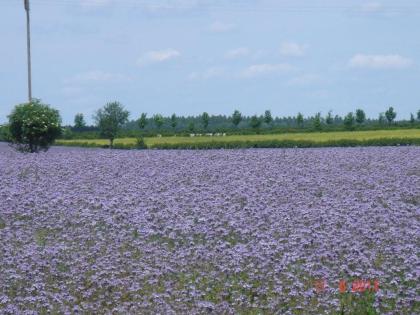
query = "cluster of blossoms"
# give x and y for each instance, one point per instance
(193, 232)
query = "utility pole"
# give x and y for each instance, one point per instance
(28, 38)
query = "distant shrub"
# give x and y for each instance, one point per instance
(4, 133)
(34, 126)
(140, 143)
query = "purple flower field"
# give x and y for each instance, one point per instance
(198, 232)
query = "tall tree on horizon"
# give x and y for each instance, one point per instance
(79, 121)
(110, 119)
(360, 116)
(236, 118)
(142, 122)
(174, 121)
(390, 115)
(299, 120)
(205, 118)
(268, 118)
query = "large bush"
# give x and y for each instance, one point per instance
(34, 126)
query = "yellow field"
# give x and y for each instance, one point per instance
(315, 136)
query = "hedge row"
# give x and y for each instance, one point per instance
(262, 144)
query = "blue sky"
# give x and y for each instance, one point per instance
(190, 56)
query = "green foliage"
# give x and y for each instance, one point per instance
(412, 119)
(268, 119)
(140, 143)
(349, 121)
(34, 126)
(390, 115)
(381, 119)
(236, 118)
(142, 121)
(360, 116)
(67, 133)
(317, 122)
(299, 120)
(191, 126)
(110, 119)
(158, 120)
(255, 122)
(205, 118)
(329, 119)
(418, 115)
(174, 121)
(4, 133)
(79, 121)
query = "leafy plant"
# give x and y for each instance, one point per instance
(205, 120)
(349, 121)
(34, 126)
(317, 122)
(236, 118)
(79, 121)
(299, 120)
(174, 121)
(142, 122)
(329, 119)
(110, 119)
(390, 115)
(255, 122)
(268, 118)
(158, 119)
(360, 116)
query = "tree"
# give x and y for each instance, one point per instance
(268, 119)
(418, 115)
(255, 122)
(158, 119)
(349, 121)
(205, 120)
(390, 115)
(412, 119)
(142, 122)
(299, 119)
(329, 119)
(34, 126)
(79, 121)
(360, 116)
(174, 121)
(110, 119)
(236, 118)
(381, 118)
(317, 121)
(191, 126)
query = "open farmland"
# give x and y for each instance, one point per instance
(313, 136)
(194, 232)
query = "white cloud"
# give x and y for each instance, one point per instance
(292, 49)
(210, 73)
(238, 52)
(379, 62)
(158, 56)
(265, 69)
(371, 7)
(221, 27)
